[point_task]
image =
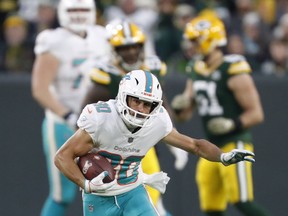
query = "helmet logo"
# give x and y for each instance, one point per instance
(202, 25)
(148, 94)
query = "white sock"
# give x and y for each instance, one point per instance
(160, 207)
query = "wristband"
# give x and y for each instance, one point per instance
(66, 116)
(238, 124)
(87, 188)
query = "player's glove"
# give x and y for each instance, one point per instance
(221, 125)
(236, 155)
(157, 180)
(96, 185)
(71, 119)
(181, 157)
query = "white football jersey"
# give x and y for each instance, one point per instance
(123, 148)
(71, 50)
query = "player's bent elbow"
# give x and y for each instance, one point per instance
(37, 93)
(58, 160)
(259, 118)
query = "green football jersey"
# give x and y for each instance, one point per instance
(213, 97)
(110, 75)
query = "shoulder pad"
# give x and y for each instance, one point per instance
(99, 76)
(87, 120)
(154, 63)
(199, 66)
(107, 67)
(233, 58)
(238, 64)
(100, 30)
(163, 70)
(43, 41)
(101, 73)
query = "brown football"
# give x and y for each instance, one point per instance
(92, 164)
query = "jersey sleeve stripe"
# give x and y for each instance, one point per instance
(100, 76)
(239, 67)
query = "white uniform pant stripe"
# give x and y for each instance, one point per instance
(57, 190)
(242, 178)
(151, 201)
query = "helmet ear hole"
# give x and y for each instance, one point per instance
(158, 86)
(137, 82)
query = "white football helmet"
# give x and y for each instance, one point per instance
(145, 86)
(76, 15)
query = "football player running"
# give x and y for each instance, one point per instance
(127, 41)
(228, 102)
(59, 86)
(123, 130)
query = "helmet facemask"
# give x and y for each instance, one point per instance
(138, 119)
(76, 15)
(134, 86)
(130, 57)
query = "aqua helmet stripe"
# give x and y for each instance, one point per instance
(149, 82)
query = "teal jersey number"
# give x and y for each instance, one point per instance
(126, 169)
(77, 81)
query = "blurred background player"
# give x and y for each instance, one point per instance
(128, 41)
(59, 86)
(143, 13)
(229, 105)
(16, 54)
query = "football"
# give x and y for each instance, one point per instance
(92, 164)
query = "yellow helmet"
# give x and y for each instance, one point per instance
(125, 33)
(128, 42)
(207, 31)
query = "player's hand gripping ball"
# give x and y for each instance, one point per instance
(92, 164)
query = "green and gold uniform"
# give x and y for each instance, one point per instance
(214, 99)
(110, 76)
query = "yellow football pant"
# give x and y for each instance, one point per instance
(150, 165)
(219, 185)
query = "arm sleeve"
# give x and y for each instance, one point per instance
(166, 120)
(43, 42)
(88, 121)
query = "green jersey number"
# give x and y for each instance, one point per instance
(206, 98)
